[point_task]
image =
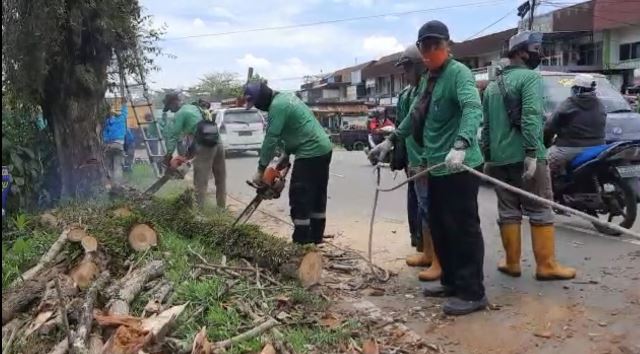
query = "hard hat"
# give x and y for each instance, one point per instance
(586, 81)
(409, 56)
(523, 39)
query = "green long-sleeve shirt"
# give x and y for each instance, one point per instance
(293, 126)
(403, 108)
(506, 144)
(184, 123)
(455, 112)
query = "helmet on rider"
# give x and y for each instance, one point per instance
(258, 94)
(583, 83)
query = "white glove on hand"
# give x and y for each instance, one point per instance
(381, 150)
(257, 178)
(530, 165)
(455, 159)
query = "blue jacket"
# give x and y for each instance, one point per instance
(115, 127)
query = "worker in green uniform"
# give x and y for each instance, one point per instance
(445, 120)
(293, 126)
(204, 146)
(417, 192)
(512, 140)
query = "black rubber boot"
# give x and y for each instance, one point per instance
(459, 307)
(317, 230)
(302, 235)
(438, 291)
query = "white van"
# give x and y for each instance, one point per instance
(241, 129)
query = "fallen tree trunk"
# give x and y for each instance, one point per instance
(46, 260)
(21, 296)
(123, 292)
(80, 336)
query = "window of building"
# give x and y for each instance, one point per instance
(590, 54)
(630, 51)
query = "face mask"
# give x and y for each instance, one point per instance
(533, 61)
(435, 58)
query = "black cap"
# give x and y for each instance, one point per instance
(433, 29)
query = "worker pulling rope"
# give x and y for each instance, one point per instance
(522, 193)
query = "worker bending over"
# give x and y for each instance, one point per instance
(292, 125)
(201, 135)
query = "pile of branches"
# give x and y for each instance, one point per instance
(83, 286)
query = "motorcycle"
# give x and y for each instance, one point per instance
(600, 181)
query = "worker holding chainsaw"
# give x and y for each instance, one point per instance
(444, 120)
(512, 141)
(293, 126)
(204, 147)
(417, 192)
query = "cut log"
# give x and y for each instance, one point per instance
(158, 325)
(61, 348)
(95, 343)
(122, 212)
(268, 349)
(48, 219)
(84, 273)
(201, 344)
(40, 319)
(310, 270)
(21, 296)
(89, 243)
(126, 340)
(80, 337)
(142, 237)
(252, 333)
(76, 233)
(123, 293)
(47, 259)
(158, 296)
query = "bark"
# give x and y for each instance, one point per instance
(80, 337)
(123, 293)
(47, 259)
(20, 297)
(252, 333)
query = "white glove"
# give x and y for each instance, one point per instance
(530, 165)
(455, 159)
(257, 178)
(381, 150)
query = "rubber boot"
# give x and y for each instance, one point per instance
(511, 241)
(424, 256)
(434, 271)
(543, 240)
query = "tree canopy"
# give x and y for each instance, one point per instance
(218, 86)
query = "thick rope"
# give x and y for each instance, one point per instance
(525, 194)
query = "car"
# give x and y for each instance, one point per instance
(622, 122)
(241, 129)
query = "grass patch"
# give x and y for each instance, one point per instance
(22, 253)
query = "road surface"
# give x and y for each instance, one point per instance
(598, 312)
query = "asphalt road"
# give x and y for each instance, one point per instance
(608, 281)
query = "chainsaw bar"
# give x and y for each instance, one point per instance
(248, 211)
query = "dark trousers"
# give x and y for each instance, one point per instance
(308, 198)
(412, 215)
(456, 233)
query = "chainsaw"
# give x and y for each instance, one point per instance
(177, 169)
(273, 181)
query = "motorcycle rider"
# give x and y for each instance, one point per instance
(292, 125)
(445, 120)
(512, 142)
(578, 123)
(417, 201)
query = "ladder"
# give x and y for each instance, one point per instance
(155, 155)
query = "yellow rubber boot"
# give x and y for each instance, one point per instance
(511, 241)
(543, 240)
(425, 251)
(434, 271)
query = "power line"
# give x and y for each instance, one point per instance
(348, 19)
(492, 24)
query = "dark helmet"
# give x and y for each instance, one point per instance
(258, 94)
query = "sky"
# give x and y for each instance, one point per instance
(285, 56)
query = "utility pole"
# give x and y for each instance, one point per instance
(531, 12)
